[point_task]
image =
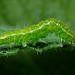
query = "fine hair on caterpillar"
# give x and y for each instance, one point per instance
(41, 30)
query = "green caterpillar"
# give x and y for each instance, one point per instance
(41, 30)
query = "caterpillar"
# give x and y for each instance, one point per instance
(41, 30)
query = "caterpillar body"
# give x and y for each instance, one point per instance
(41, 30)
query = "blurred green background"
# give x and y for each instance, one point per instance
(24, 13)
